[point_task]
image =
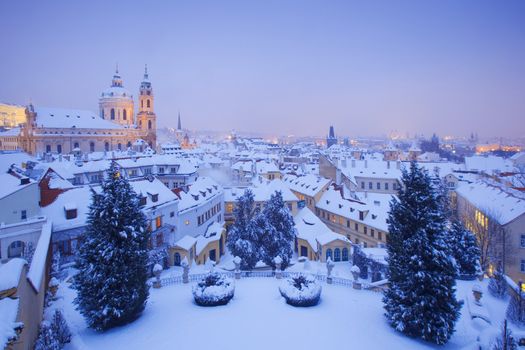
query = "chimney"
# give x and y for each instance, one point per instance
(24, 181)
(366, 163)
(388, 164)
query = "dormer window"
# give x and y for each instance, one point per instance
(142, 200)
(154, 197)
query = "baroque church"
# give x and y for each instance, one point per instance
(115, 127)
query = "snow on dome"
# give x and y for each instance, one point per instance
(116, 92)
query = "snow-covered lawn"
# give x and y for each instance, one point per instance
(258, 318)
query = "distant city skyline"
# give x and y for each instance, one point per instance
(281, 68)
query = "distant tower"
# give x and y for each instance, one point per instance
(146, 118)
(179, 124)
(331, 139)
(116, 103)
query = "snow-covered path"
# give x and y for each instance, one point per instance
(257, 318)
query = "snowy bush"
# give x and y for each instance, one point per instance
(505, 341)
(498, 285)
(215, 289)
(60, 328)
(47, 339)
(301, 290)
(515, 311)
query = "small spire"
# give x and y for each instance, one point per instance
(179, 126)
(116, 68)
(146, 71)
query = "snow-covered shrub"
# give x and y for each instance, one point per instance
(513, 310)
(301, 290)
(47, 339)
(215, 289)
(505, 341)
(498, 285)
(60, 328)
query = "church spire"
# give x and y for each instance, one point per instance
(146, 72)
(179, 125)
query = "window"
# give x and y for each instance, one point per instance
(347, 223)
(158, 222)
(106, 146)
(148, 103)
(345, 254)
(142, 201)
(372, 232)
(378, 185)
(356, 226)
(386, 186)
(363, 185)
(522, 266)
(289, 206)
(160, 239)
(379, 235)
(337, 254)
(92, 146)
(15, 249)
(119, 146)
(370, 185)
(155, 197)
(149, 124)
(23, 214)
(48, 148)
(147, 171)
(76, 145)
(71, 214)
(328, 253)
(522, 241)
(125, 115)
(161, 170)
(112, 113)
(365, 228)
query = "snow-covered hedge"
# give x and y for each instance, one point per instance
(215, 289)
(301, 290)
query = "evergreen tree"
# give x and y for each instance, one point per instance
(421, 299)
(279, 234)
(112, 259)
(465, 250)
(47, 339)
(242, 240)
(60, 328)
(497, 284)
(360, 260)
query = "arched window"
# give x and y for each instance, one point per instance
(15, 249)
(112, 113)
(48, 148)
(149, 124)
(148, 103)
(106, 146)
(141, 103)
(345, 254)
(328, 254)
(92, 146)
(59, 149)
(129, 144)
(125, 115)
(76, 145)
(119, 146)
(102, 113)
(177, 259)
(337, 254)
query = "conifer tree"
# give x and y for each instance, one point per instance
(465, 249)
(497, 284)
(278, 234)
(421, 299)
(112, 259)
(242, 240)
(60, 328)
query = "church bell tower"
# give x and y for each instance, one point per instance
(146, 118)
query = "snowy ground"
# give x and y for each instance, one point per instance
(259, 318)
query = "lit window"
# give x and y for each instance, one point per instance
(158, 221)
(186, 222)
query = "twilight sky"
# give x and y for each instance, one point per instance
(277, 66)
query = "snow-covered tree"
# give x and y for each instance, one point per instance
(60, 328)
(47, 339)
(112, 259)
(465, 249)
(505, 341)
(516, 309)
(360, 260)
(242, 240)
(278, 236)
(421, 299)
(497, 284)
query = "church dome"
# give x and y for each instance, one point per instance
(116, 90)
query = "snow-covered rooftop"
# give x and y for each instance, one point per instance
(309, 184)
(71, 118)
(10, 273)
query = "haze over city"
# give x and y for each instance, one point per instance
(295, 67)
